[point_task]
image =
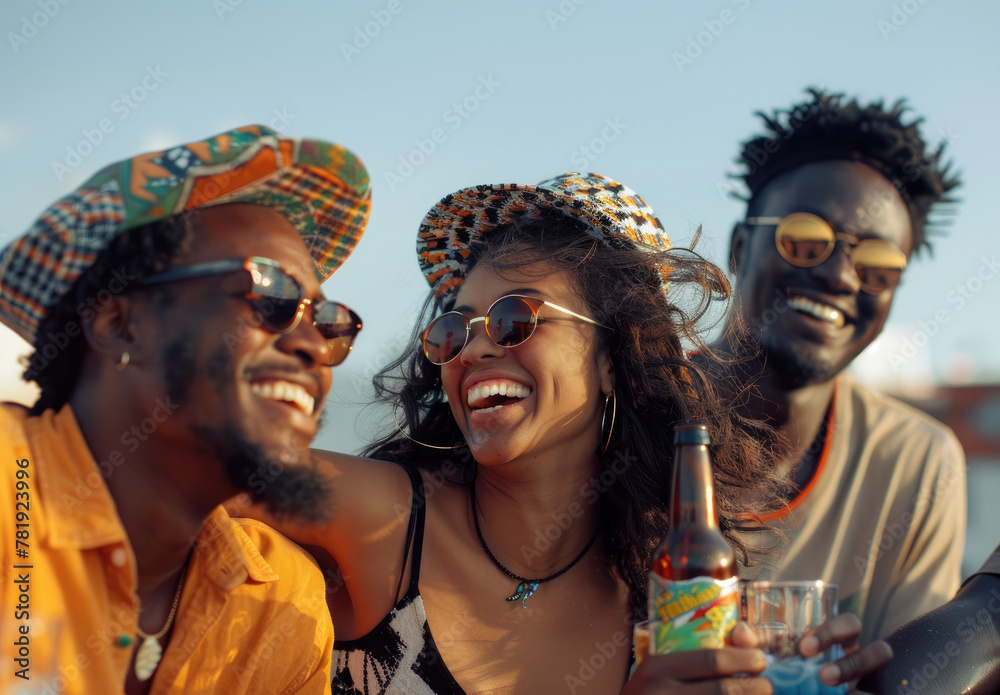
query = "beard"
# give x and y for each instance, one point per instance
(288, 486)
(283, 478)
(797, 369)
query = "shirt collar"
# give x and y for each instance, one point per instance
(81, 514)
(79, 510)
(233, 556)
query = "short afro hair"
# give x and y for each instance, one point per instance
(830, 128)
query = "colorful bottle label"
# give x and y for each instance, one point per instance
(697, 613)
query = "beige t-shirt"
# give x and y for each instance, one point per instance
(883, 517)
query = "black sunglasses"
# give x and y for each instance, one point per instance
(510, 321)
(279, 301)
(806, 240)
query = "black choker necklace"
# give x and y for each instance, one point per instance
(526, 588)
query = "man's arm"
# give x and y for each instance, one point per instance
(953, 649)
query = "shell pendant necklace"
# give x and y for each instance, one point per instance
(150, 651)
(526, 588)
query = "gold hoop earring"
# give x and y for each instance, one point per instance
(123, 361)
(417, 441)
(614, 408)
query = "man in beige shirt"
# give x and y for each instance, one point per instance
(874, 494)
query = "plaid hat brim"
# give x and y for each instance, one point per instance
(321, 188)
(612, 212)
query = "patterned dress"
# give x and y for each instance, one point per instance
(398, 657)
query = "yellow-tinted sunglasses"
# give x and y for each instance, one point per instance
(806, 240)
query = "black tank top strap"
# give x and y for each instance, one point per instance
(414, 531)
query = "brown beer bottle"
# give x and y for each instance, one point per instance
(693, 582)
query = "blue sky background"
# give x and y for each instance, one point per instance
(551, 77)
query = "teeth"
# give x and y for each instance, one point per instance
(823, 312)
(494, 387)
(488, 410)
(285, 392)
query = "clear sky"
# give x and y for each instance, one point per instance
(654, 94)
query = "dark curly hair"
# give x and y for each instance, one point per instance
(656, 384)
(829, 127)
(60, 344)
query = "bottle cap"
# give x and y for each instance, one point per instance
(691, 432)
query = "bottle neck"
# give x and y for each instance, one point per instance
(693, 492)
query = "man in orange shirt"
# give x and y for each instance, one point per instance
(183, 350)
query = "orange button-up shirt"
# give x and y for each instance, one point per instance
(252, 616)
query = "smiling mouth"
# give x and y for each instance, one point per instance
(285, 392)
(817, 310)
(493, 394)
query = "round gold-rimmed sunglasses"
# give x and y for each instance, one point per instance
(510, 321)
(806, 240)
(279, 301)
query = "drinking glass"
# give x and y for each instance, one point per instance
(641, 639)
(781, 614)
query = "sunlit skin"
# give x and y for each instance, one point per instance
(173, 480)
(855, 199)
(212, 310)
(567, 376)
(535, 461)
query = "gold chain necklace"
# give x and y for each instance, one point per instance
(150, 652)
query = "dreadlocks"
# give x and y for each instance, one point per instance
(828, 127)
(59, 343)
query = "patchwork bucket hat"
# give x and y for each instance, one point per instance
(613, 212)
(321, 188)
